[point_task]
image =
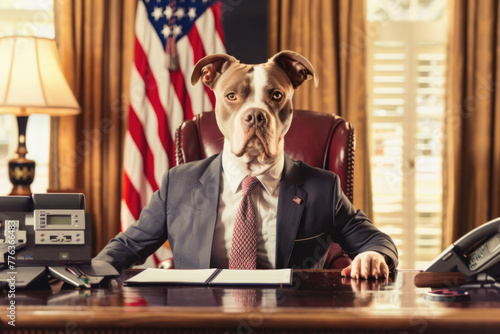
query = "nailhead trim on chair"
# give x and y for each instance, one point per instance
(350, 168)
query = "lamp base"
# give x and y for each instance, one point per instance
(21, 174)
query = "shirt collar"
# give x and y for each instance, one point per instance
(269, 180)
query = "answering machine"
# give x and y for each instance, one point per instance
(47, 234)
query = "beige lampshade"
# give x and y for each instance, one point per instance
(31, 78)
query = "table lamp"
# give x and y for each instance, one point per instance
(31, 81)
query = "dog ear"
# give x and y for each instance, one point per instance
(297, 67)
(210, 68)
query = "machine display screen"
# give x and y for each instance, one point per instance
(58, 219)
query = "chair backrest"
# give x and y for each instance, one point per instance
(318, 139)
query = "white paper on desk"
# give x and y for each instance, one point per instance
(256, 277)
(171, 276)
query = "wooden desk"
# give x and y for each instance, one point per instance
(319, 302)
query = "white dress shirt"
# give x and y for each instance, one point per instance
(265, 197)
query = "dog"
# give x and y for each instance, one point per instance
(254, 103)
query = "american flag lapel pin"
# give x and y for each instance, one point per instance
(297, 200)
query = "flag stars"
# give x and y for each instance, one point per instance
(180, 13)
(166, 31)
(157, 13)
(168, 12)
(177, 30)
(192, 13)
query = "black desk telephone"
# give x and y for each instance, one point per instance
(47, 234)
(478, 252)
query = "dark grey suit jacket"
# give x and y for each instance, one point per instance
(184, 211)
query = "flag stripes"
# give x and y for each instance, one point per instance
(162, 97)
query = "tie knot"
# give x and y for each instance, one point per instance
(248, 184)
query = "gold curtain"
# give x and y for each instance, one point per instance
(472, 156)
(331, 35)
(95, 40)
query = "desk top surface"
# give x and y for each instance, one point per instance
(317, 299)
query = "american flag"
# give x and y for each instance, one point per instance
(170, 37)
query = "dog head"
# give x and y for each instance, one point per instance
(254, 102)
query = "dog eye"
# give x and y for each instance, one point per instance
(231, 96)
(277, 96)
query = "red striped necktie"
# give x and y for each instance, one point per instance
(243, 254)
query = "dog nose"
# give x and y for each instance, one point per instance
(254, 117)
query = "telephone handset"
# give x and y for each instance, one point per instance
(477, 252)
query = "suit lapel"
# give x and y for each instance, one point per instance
(291, 203)
(205, 204)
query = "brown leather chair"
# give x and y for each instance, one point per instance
(318, 139)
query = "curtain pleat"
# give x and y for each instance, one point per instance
(95, 40)
(472, 148)
(331, 35)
